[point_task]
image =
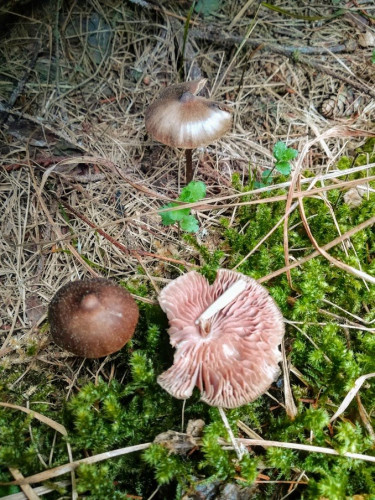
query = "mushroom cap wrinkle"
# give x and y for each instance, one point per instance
(233, 356)
(180, 118)
(92, 318)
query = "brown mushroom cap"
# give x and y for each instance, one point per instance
(92, 318)
(180, 118)
(233, 357)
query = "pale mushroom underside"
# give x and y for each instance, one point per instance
(236, 359)
(188, 122)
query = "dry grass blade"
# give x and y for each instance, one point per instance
(40, 490)
(365, 417)
(351, 395)
(46, 420)
(64, 469)
(287, 213)
(355, 316)
(203, 207)
(304, 447)
(238, 51)
(70, 247)
(337, 131)
(320, 177)
(336, 241)
(120, 246)
(26, 488)
(290, 406)
(51, 423)
(337, 263)
(241, 12)
(238, 449)
(255, 248)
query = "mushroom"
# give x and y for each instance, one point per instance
(92, 318)
(179, 118)
(226, 336)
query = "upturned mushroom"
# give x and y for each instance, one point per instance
(92, 318)
(182, 119)
(226, 335)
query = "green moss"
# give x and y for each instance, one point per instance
(132, 408)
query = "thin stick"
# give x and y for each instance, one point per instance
(183, 416)
(263, 44)
(198, 205)
(237, 448)
(64, 469)
(304, 447)
(351, 394)
(352, 270)
(29, 493)
(293, 207)
(290, 406)
(329, 245)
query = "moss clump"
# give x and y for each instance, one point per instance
(131, 408)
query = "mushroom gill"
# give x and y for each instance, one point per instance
(232, 357)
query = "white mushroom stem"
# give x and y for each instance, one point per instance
(226, 298)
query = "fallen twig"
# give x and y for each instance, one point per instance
(222, 39)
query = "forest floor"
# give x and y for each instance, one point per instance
(81, 187)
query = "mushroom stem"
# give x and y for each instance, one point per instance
(189, 165)
(226, 298)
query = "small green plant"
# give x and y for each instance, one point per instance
(373, 57)
(283, 156)
(194, 191)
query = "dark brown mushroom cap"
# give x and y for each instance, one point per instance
(92, 318)
(234, 357)
(180, 118)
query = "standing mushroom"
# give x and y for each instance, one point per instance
(226, 336)
(92, 318)
(179, 118)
